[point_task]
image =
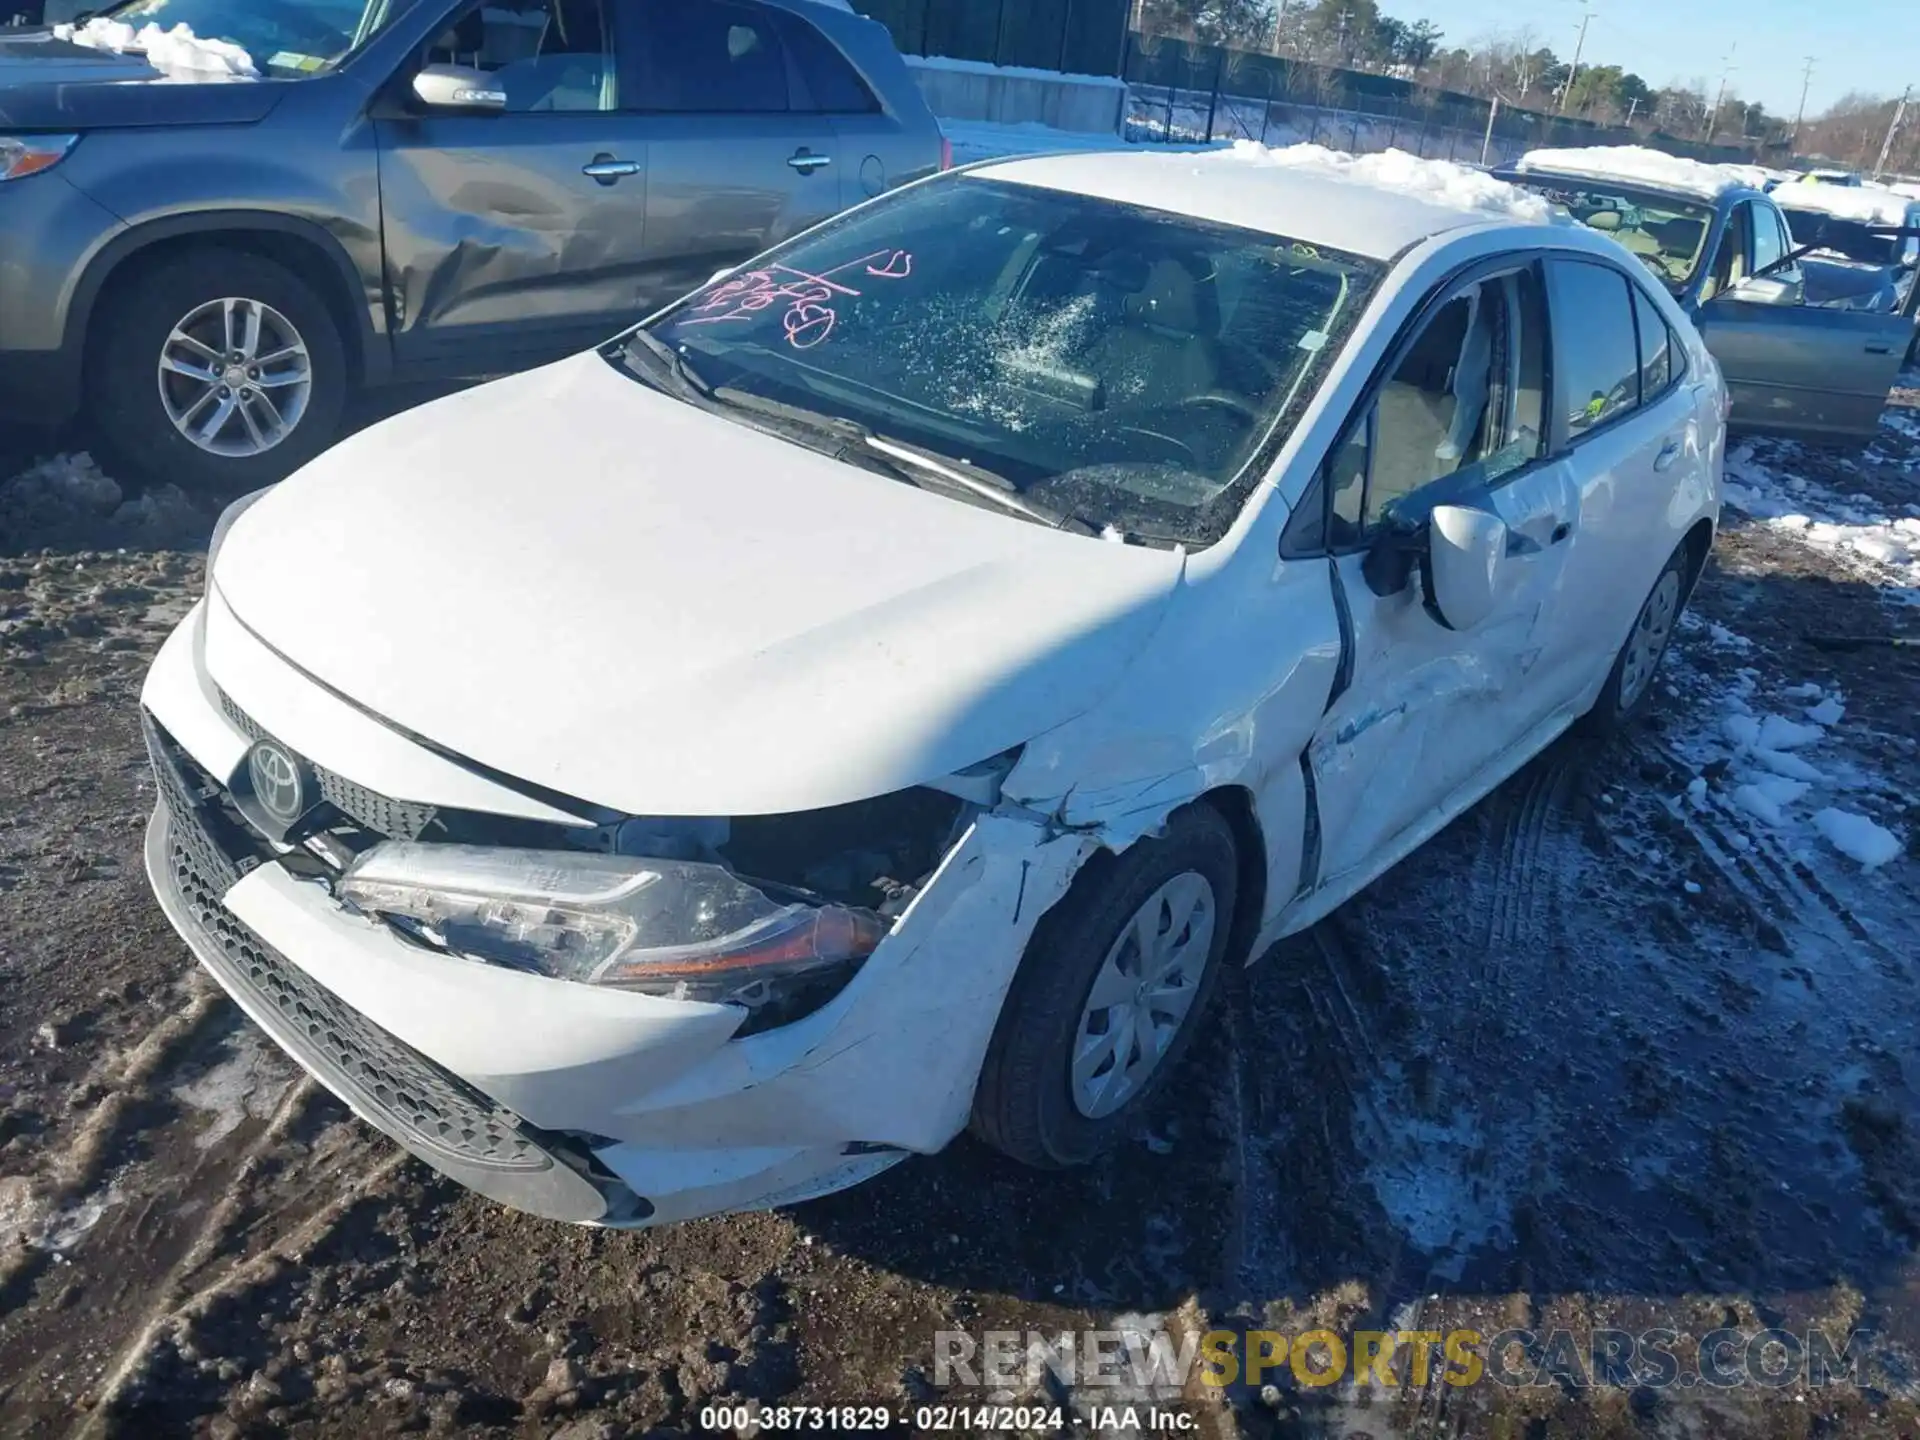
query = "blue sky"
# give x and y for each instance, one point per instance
(1871, 45)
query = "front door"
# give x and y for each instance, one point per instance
(1791, 368)
(1423, 710)
(517, 235)
(740, 157)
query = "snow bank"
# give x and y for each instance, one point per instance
(177, 52)
(1438, 182)
(1857, 837)
(992, 140)
(1635, 163)
(1864, 204)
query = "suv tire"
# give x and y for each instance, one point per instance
(1030, 1104)
(179, 312)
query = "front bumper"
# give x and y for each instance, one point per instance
(572, 1101)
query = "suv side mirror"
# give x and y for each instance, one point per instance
(1465, 552)
(1765, 290)
(455, 87)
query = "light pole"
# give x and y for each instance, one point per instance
(1573, 70)
(1713, 120)
(1893, 129)
(1806, 83)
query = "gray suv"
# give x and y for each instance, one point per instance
(396, 190)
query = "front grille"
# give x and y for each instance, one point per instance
(416, 1101)
(394, 819)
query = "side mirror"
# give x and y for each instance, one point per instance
(455, 87)
(1765, 290)
(1465, 550)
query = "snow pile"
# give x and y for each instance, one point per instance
(1634, 164)
(991, 140)
(1864, 204)
(1855, 526)
(67, 498)
(177, 52)
(1857, 837)
(1438, 182)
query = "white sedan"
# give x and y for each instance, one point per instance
(880, 694)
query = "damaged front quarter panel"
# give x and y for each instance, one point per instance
(861, 1069)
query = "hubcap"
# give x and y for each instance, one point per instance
(1649, 639)
(1142, 995)
(234, 377)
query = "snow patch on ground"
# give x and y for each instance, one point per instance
(248, 1084)
(1858, 837)
(1627, 163)
(71, 492)
(177, 52)
(1854, 526)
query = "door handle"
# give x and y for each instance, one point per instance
(1669, 453)
(806, 162)
(1879, 349)
(607, 170)
(1560, 532)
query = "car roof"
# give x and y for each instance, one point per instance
(1636, 167)
(1375, 206)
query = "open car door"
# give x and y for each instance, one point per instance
(1805, 371)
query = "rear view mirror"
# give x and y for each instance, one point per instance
(1465, 551)
(455, 87)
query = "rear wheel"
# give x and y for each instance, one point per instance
(1109, 996)
(217, 370)
(1630, 682)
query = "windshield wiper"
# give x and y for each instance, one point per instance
(905, 462)
(664, 364)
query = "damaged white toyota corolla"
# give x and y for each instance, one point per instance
(882, 693)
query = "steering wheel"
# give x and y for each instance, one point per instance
(1220, 400)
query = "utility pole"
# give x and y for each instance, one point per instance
(1893, 129)
(1486, 142)
(1806, 83)
(1632, 110)
(1573, 71)
(1713, 120)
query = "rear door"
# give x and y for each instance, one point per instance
(515, 235)
(738, 157)
(1795, 369)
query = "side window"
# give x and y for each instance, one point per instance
(712, 57)
(1769, 248)
(1599, 372)
(543, 54)
(834, 86)
(1463, 407)
(1656, 347)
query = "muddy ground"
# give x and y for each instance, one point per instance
(1610, 1052)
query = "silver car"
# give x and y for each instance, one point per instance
(210, 245)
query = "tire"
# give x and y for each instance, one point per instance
(126, 406)
(1026, 1105)
(1630, 683)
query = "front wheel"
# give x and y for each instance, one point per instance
(1109, 996)
(217, 370)
(1630, 682)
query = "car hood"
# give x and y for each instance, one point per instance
(573, 579)
(52, 84)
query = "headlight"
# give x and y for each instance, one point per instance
(668, 927)
(24, 155)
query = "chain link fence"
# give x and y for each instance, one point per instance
(1186, 93)
(1079, 37)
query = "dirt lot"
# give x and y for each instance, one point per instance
(1628, 1046)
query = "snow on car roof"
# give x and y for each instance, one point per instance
(1865, 204)
(1636, 164)
(1374, 205)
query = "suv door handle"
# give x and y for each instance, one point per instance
(806, 162)
(1669, 453)
(608, 170)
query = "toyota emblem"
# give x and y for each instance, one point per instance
(277, 782)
